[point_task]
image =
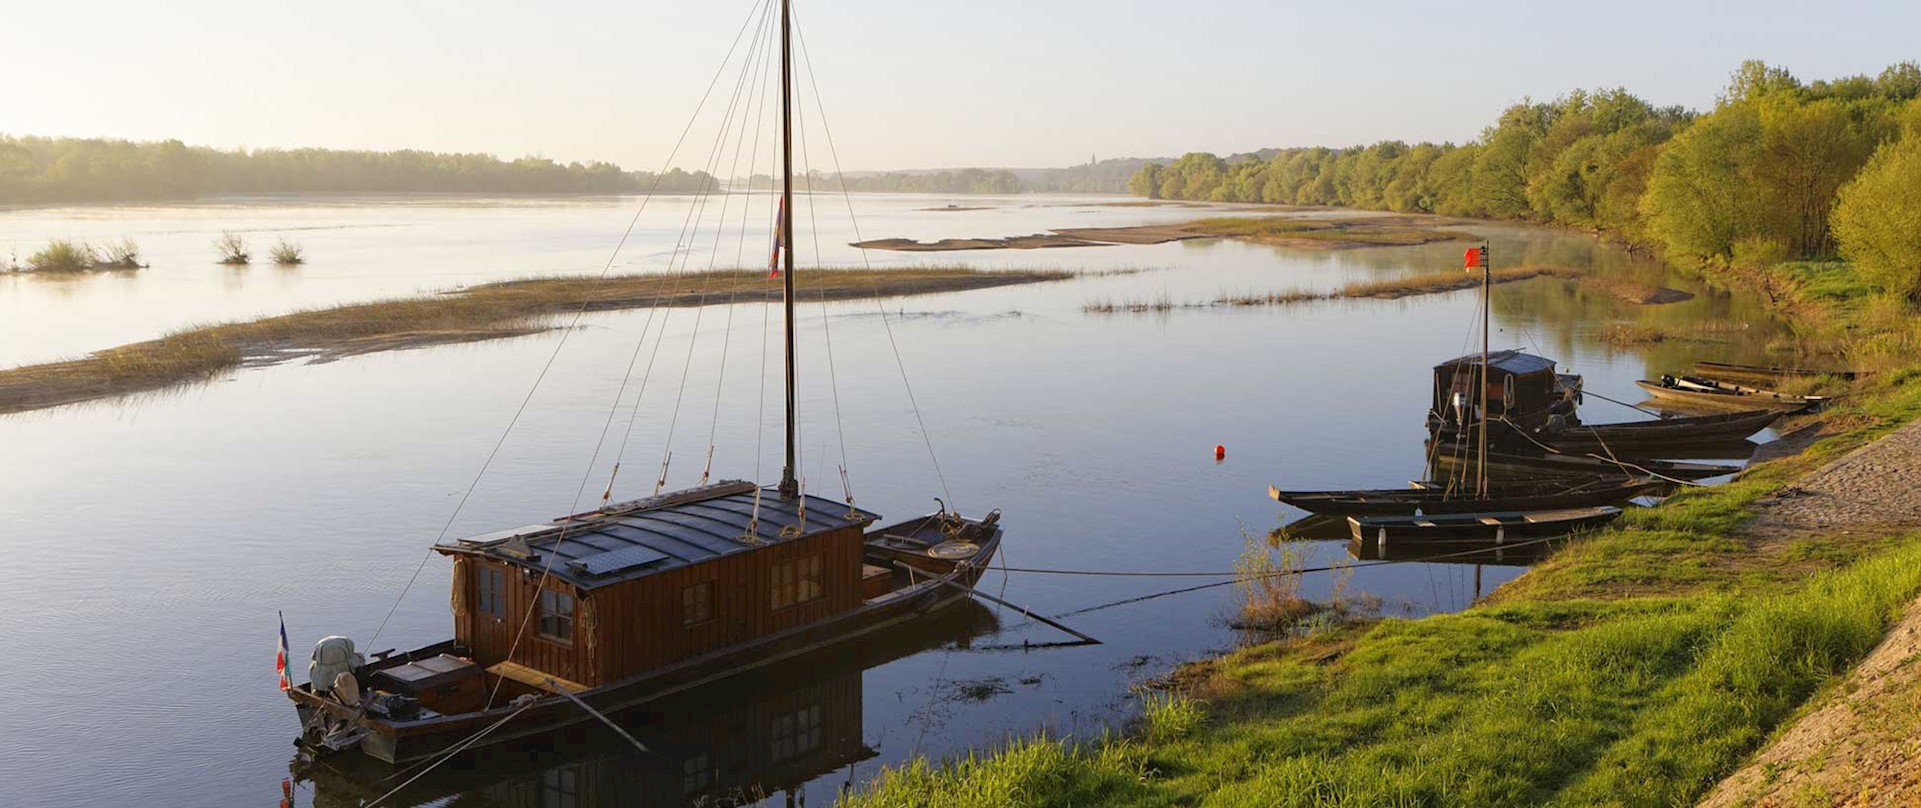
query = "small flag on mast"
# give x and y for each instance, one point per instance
(280, 659)
(1476, 257)
(780, 218)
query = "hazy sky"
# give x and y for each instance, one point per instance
(907, 84)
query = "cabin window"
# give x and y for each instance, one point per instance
(796, 581)
(796, 733)
(556, 615)
(490, 584)
(697, 604)
(695, 775)
(560, 788)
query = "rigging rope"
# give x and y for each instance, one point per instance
(827, 129)
(546, 571)
(546, 367)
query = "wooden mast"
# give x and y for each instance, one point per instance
(1487, 300)
(789, 482)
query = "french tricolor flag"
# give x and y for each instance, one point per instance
(280, 659)
(780, 230)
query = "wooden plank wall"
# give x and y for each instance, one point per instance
(490, 637)
(638, 625)
(641, 625)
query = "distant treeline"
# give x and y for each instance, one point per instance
(1093, 177)
(1764, 176)
(40, 169)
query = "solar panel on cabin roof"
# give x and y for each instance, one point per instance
(614, 561)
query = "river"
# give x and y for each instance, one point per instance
(153, 540)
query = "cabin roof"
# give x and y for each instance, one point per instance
(1510, 361)
(640, 538)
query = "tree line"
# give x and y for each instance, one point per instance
(1779, 169)
(42, 169)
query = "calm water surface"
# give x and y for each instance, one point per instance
(152, 541)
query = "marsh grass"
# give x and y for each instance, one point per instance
(286, 253)
(231, 249)
(1629, 335)
(1269, 583)
(63, 255)
(1392, 288)
(1359, 231)
(482, 312)
(1133, 305)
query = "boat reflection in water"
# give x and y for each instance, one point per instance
(756, 737)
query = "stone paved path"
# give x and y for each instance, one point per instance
(1862, 747)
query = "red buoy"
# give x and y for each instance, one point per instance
(1219, 451)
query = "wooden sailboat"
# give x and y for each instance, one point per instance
(561, 622)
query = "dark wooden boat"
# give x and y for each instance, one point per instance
(1763, 374)
(1660, 433)
(1408, 501)
(1505, 553)
(1589, 465)
(762, 732)
(1479, 527)
(1696, 391)
(748, 588)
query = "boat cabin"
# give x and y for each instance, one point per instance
(1521, 387)
(646, 584)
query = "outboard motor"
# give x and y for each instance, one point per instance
(332, 656)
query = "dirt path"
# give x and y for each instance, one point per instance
(1862, 745)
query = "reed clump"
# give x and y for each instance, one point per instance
(75, 255)
(483, 312)
(1629, 335)
(1393, 288)
(1269, 582)
(1132, 305)
(231, 249)
(287, 253)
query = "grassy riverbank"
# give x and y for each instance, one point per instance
(1638, 666)
(494, 310)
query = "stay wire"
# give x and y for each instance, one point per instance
(700, 304)
(826, 326)
(740, 249)
(840, 174)
(547, 367)
(546, 572)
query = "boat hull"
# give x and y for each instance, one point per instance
(1480, 528)
(1409, 501)
(1728, 397)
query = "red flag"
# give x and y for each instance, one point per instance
(1475, 257)
(280, 659)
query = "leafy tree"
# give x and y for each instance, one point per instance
(1878, 219)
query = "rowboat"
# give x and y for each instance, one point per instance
(1589, 465)
(1407, 501)
(1764, 374)
(1477, 527)
(1694, 390)
(1661, 433)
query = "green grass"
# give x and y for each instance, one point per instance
(1644, 701)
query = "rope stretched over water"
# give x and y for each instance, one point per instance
(1244, 577)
